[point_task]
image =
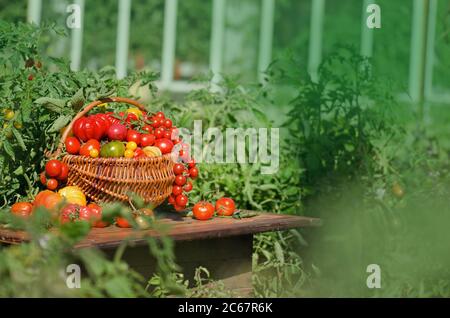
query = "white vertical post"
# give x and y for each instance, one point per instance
(417, 58)
(265, 37)
(315, 41)
(366, 33)
(123, 32)
(34, 11)
(168, 52)
(77, 40)
(429, 66)
(217, 36)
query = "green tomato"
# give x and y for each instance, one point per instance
(113, 149)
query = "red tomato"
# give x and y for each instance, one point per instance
(159, 132)
(53, 168)
(131, 118)
(96, 215)
(165, 145)
(167, 134)
(188, 187)
(64, 172)
(147, 140)
(191, 164)
(112, 119)
(122, 222)
(69, 213)
(167, 123)
(117, 132)
(181, 200)
(157, 122)
(52, 184)
(85, 150)
(193, 172)
(178, 168)
(176, 190)
(139, 153)
(203, 211)
(91, 127)
(72, 145)
(225, 206)
(133, 135)
(85, 214)
(180, 180)
(22, 209)
(148, 128)
(160, 115)
(179, 208)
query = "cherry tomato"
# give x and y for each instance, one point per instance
(165, 145)
(191, 164)
(181, 200)
(93, 153)
(139, 153)
(193, 172)
(148, 128)
(85, 214)
(178, 168)
(167, 134)
(52, 184)
(159, 132)
(176, 190)
(179, 208)
(131, 145)
(72, 145)
(203, 211)
(128, 153)
(180, 180)
(225, 206)
(167, 123)
(64, 172)
(171, 199)
(53, 168)
(147, 140)
(188, 187)
(160, 115)
(122, 222)
(157, 122)
(133, 135)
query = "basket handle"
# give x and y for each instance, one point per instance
(85, 111)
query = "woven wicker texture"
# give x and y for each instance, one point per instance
(112, 179)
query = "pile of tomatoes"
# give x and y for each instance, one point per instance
(181, 186)
(130, 134)
(205, 210)
(56, 172)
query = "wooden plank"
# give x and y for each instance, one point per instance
(183, 229)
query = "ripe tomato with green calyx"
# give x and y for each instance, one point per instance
(72, 145)
(188, 187)
(53, 168)
(203, 211)
(225, 207)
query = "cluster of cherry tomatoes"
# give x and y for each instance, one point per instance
(182, 185)
(55, 173)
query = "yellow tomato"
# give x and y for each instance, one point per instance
(151, 151)
(93, 153)
(135, 111)
(74, 195)
(18, 125)
(9, 114)
(131, 145)
(128, 153)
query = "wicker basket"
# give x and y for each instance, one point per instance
(112, 179)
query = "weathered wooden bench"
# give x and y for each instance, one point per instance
(222, 245)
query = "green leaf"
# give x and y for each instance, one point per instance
(19, 139)
(9, 150)
(59, 123)
(52, 104)
(78, 100)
